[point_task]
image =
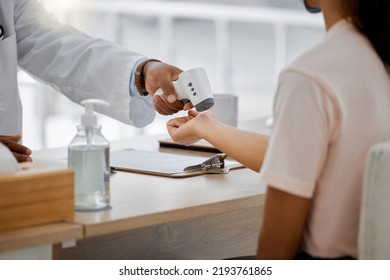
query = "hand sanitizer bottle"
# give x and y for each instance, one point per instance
(88, 156)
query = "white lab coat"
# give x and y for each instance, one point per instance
(77, 65)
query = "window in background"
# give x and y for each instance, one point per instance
(241, 56)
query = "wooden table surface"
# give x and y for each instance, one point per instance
(141, 202)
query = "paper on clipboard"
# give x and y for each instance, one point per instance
(169, 165)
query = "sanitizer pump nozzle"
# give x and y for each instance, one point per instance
(88, 156)
(89, 118)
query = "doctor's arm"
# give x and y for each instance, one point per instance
(83, 67)
(246, 147)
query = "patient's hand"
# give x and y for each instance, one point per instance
(182, 129)
(187, 130)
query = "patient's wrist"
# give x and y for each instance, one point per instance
(205, 126)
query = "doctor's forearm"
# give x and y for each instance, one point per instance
(246, 147)
(78, 65)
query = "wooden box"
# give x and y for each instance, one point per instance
(36, 196)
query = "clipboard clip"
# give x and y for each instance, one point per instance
(213, 165)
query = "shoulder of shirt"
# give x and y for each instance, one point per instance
(331, 53)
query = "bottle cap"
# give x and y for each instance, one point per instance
(89, 118)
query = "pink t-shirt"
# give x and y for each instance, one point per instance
(332, 104)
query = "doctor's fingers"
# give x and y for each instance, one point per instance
(169, 92)
(188, 106)
(177, 105)
(22, 157)
(160, 75)
(164, 107)
(161, 108)
(165, 74)
(15, 147)
(14, 138)
(164, 110)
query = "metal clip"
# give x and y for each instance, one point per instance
(215, 164)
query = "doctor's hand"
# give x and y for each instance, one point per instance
(160, 75)
(187, 130)
(20, 152)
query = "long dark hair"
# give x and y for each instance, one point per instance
(372, 18)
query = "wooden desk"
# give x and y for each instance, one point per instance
(203, 217)
(36, 241)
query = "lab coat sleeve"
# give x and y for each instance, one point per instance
(78, 65)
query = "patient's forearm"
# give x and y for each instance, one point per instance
(246, 147)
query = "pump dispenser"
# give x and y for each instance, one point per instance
(88, 156)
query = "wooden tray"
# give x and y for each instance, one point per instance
(36, 196)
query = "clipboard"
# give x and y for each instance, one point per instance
(170, 165)
(201, 146)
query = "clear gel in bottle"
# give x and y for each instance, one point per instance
(88, 156)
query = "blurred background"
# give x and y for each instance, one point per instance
(242, 44)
